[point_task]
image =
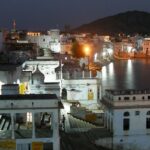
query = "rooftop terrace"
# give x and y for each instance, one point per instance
(128, 92)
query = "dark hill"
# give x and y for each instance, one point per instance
(130, 22)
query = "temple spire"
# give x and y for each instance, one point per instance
(14, 25)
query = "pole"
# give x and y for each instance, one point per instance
(88, 63)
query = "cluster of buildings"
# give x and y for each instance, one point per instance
(32, 91)
(39, 73)
(29, 44)
(100, 46)
(132, 47)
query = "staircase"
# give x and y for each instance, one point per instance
(87, 115)
(79, 125)
(5, 122)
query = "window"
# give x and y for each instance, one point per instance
(126, 123)
(64, 93)
(134, 98)
(148, 97)
(147, 123)
(148, 113)
(148, 120)
(126, 98)
(119, 98)
(29, 117)
(137, 113)
(98, 94)
(126, 113)
(143, 97)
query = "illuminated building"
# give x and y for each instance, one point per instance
(28, 121)
(146, 46)
(127, 117)
(50, 41)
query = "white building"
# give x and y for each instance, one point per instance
(9, 74)
(146, 46)
(85, 90)
(127, 116)
(23, 122)
(30, 119)
(41, 77)
(50, 41)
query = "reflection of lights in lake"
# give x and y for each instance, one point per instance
(129, 74)
(129, 65)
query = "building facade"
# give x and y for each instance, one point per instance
(50, 41)
(146, 46)
(127, 116)
(29, 121)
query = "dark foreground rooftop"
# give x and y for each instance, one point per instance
(79, 141)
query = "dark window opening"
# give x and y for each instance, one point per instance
(134, 98)
(148, 123)
(137, 113)
(126, 113)
(148, 113)
(126, 98)
(98, 94)
(126, 122)
(64, 93)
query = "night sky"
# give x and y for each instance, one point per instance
(47, 14)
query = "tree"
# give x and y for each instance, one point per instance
(77, 50)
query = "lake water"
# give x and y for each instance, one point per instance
(126, 74)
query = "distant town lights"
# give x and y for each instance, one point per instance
(110, 51)
(95, 57)
(129, 49)
(103, 54)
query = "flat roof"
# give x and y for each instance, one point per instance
(29, 96)
(8, 67)
(128, 92)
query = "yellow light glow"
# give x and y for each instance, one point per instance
(87, 50)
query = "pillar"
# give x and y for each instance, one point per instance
(90, 74)
(12, 126)
(33, 125)
(83, 74)
(55, 124)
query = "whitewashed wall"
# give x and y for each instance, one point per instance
(78, 90)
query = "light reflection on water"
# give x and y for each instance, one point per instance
(127, 74)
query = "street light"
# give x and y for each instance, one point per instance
(87, 53)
